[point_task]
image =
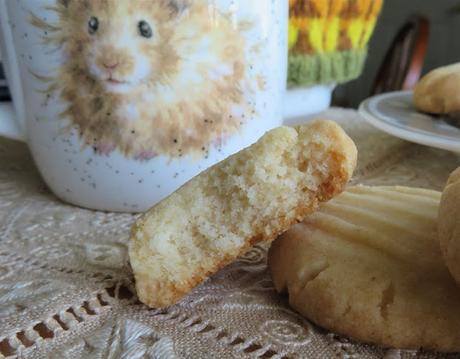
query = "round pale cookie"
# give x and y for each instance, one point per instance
(449, 224)
(438, 92)
(368, 265)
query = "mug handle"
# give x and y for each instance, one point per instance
(11, 113)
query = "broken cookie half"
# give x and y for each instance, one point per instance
(252, 196)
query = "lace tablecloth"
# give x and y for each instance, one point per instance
(66, 290)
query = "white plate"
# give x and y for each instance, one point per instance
(395, 114)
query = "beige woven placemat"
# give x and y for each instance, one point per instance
(66, 290)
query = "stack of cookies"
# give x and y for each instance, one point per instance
(365, 262)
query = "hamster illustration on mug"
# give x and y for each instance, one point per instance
(150, 78)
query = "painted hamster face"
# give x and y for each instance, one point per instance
(124, 43)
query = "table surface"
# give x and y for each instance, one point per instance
(66, 290)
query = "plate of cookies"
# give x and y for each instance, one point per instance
(429, 115)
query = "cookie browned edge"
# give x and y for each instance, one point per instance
(449, 224)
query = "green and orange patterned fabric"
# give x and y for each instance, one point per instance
(328, 39)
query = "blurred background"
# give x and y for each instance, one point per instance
(443, 46)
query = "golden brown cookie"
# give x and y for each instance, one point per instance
(449, 224)
(252, 196)
(368, 265)
(438, 92)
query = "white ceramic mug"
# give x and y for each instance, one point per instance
(122, 101)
